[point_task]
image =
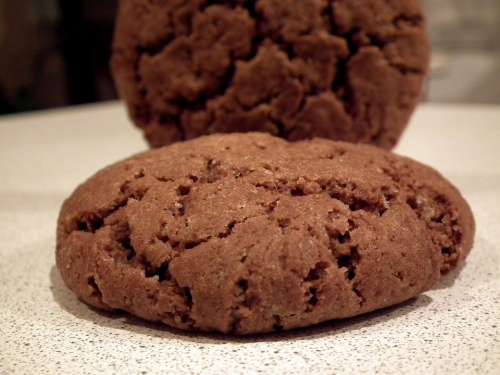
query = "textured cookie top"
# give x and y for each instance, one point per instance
(348, 70)
(250, 233)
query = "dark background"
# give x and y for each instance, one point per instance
(56, 53)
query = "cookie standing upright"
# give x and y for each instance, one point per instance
(347, 70)
(248, 233)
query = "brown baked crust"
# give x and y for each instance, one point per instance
(348, 70)
(248, 233)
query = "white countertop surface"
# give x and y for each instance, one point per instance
(44, 329)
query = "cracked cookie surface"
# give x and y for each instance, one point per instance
(248, 233)
(349, 70)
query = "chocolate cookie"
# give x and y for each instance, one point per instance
(248, 233)
(347, 70)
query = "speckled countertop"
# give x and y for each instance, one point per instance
(453, 329)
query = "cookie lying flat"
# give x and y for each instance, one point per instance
(347, 70)
(248, 233)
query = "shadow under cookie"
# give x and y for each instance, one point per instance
(448, 280)
(124, 321)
